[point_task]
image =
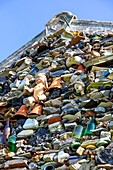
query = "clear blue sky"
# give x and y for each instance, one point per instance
(22, 20)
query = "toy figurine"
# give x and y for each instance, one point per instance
(79, 86)
(39, 89)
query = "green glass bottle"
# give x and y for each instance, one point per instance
(1, 88)
(12, 144)
(90, 126)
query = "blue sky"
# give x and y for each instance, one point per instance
(22, 20)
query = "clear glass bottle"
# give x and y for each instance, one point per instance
(77, 133)
(6, 131)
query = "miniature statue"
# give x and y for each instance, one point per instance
(39, 89)
(79, 86)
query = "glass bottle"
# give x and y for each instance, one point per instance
(1, 87)
(12, 144)
(0, 139)
(12, 141)
(77, 133)
(90, 126)
(6, 131)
